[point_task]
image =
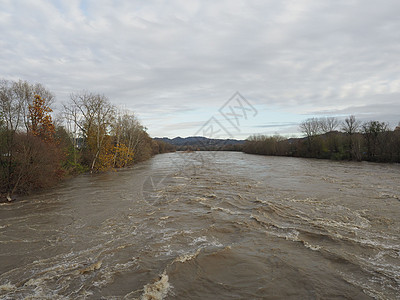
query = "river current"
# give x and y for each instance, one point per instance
(208, 225)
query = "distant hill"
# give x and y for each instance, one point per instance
(203, 143)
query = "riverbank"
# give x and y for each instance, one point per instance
(68, 172)
(382, 147)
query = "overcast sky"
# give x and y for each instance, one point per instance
(177, 63)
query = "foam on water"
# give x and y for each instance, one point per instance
(157, 290)
(204, 241)
(312, 247)
(187, 257)
(7, 287)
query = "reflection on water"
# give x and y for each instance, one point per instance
(209, 225)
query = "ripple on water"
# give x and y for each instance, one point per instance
(230, 226)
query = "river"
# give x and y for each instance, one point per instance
(208, 225)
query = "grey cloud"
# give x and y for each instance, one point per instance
(277, 125)
(308, 57)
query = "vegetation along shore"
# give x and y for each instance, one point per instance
(89, 135)
(329, 138)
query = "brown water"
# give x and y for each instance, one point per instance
(209, 225)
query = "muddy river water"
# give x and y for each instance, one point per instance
(208, 225)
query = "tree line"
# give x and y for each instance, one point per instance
(90, 134)
(330, 138)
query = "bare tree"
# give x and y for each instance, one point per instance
(376, 135)
(70, 115)
(12, 113)
(117, 128)
(328, 124)
(11, 106)
(310, 127)
(93, 115)
(132, 131)
(351, 125)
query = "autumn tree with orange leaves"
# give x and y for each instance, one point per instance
(29, 157)
(41, 123)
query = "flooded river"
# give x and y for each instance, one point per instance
(208, 225)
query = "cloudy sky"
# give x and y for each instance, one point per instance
(178, 64)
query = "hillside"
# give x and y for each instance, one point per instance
(203, 143)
